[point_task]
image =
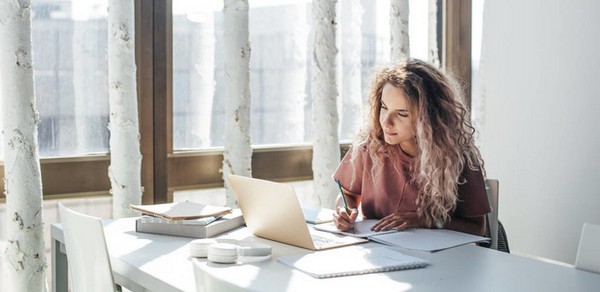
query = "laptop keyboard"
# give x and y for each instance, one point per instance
(326, 239)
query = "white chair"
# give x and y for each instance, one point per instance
(87, 255)
(588, 252)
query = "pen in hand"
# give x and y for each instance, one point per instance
(343, 197)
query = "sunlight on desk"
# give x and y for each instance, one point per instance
(149, 262)
(140, 255)
(270, 276)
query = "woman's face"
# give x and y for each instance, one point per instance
(396, 120)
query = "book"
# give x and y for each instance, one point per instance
(352, 260)
(195, 228)
(361, 228)
(430, 240)
(181, 210)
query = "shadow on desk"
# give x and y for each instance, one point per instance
(248, 272)
(271, 275)
(147, 262)
(208, 282)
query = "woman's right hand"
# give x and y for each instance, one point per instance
(344, 221)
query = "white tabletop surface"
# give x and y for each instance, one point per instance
(162, 263)
(464, 268)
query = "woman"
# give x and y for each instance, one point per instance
(414, 163)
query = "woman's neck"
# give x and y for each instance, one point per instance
(409, 148)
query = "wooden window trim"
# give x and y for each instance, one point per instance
(456, 44)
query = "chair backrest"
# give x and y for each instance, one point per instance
(87, 255)
(588, 252)
(491, 186)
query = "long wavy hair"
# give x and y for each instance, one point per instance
(443, 134)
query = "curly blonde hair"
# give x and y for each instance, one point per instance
(444, 135)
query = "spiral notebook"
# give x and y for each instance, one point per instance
(353, 260)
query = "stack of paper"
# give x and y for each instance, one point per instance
(196, 228)
(187, 219)
(181, 210)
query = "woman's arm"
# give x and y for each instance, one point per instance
(473, 225)
(400, 221)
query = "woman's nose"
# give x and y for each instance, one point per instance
(386, 120)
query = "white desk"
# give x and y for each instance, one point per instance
(161, 263)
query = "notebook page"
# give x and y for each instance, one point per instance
(431, 240)
(361, 228)
(352, 260)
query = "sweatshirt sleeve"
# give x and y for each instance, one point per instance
(350, 171)
(472, 196)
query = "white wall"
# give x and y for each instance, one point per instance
(540, 135)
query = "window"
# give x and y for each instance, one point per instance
(477, 25)
(280, 67)
(69, 43)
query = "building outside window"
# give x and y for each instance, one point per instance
(69, 44)
(281, 45)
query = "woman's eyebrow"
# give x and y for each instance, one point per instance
(396, 110)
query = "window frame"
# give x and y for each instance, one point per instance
(165, 171)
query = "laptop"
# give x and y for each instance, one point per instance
(271, 210)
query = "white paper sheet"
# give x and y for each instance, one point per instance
(361, 229)
(431, 240)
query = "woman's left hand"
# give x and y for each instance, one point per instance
(398, 221)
